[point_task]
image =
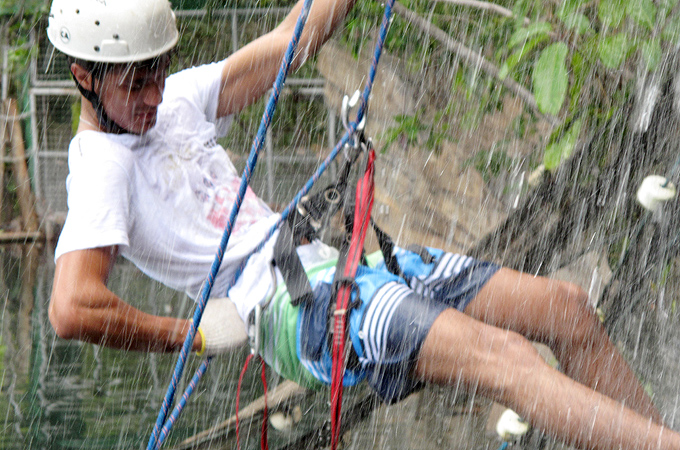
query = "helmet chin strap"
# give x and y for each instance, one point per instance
(105, 122)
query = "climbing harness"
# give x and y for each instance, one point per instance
(164, 422)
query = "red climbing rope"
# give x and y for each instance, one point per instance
(264, 444)
(345, 283)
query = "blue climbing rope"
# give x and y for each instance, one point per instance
(349, 134)
(163, 426)
(155, 441)
(384, 26)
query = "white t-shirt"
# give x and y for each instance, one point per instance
(164, 197)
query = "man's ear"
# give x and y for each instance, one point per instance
(83, 76)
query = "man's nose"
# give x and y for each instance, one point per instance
(153, 93)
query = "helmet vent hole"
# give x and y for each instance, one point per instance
(96, 22)
(77, 11)
(115, 36)
(96, 48)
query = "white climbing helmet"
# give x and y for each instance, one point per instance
(112, 31)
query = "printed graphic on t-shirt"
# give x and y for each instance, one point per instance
(214, 183)
(251, 210)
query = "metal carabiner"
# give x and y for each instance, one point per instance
(347, 104)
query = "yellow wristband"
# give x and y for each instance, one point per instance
(202, 350)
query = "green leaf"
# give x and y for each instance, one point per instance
(651, 53)
(613, 49)
(519, 54)
(520, 10)
(550, 78)
(643, 12)
(611, 12)
(523, 34)
(577, 22)
(558, 151)
(504, 71)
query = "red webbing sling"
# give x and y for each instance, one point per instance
(348, 263)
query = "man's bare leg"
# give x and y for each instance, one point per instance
(557, 314)
(505, 367)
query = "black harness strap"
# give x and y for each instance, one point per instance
(387, 249)
(288, 262)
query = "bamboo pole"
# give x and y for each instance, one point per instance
(20, 237)
(20, 169)
(3, 154)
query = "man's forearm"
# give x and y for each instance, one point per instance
(114, 323)
(324, 17)
(82, 307)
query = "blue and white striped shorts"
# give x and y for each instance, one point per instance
(394, 316)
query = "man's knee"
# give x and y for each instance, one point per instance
(579, 322)
(571, 293)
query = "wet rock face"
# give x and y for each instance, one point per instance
(437, 198)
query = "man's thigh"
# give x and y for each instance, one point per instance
(533, 306)
(462, 351)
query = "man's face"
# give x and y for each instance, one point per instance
(131, 95)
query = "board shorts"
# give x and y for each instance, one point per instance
(386, 328)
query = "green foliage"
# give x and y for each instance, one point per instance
(561, 148)
(571, 54)
(414, 130)
(490, 163)
(574, 53)
(550, 78)
(18, 19)
(650, 51)
(576, 22)
(643, 12)
(523, 34)
(22, 8)
(611, 12)
(408, 128)
(613, 50)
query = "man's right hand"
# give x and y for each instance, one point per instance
(221, 328)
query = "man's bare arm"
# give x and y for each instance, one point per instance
(83, 308)
(250, 72)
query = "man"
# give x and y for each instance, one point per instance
(148, 181)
